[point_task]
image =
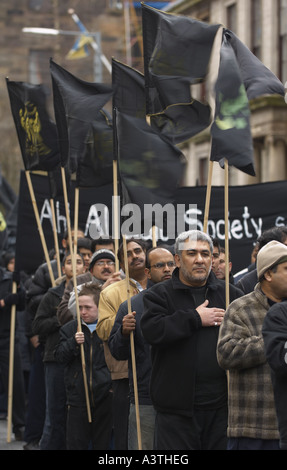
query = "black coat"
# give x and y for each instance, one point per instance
(171, 324)
(120, 348)
(38, 286)
(274, 332)
(68, 353)
(46, 323)
(248, 281)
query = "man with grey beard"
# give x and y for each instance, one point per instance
(181, 320)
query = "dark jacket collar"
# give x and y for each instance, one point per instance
(149, 284)
(58, 290)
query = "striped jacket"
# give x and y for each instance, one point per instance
(240, 350)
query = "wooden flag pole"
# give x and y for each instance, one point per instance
(76, 293)
(207, 198)
(11, 365)
(115, 213)
(226, 204)
(213, 75)
(76, 219)
(154, 243)
(132, 347)
(56, 242)
(36, 212)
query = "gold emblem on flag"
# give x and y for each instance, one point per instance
(30, 121)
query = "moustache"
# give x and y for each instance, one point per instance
(106, 270)
(134, 261)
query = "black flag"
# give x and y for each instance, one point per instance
(181, 122)
(129, 92)
(177, 52)
(56, 183)
(7, 194)
(150, 167)
(37, 133)
(257, 78)
(178, 122)
(95, 167)
(231, 133)
(76, 104)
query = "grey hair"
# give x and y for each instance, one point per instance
(192, 235)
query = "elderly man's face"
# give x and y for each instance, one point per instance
(194, 262)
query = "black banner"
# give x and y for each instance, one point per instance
(29, 252)
(252, 209)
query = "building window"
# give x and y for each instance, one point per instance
(43, 6)
(283, 40)
(115, 4)
(256, 28)
(231, 17)
(203, 171)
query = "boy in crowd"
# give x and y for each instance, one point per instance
(80, 432)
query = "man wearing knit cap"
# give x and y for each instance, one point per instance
(252, 422)
(101, 271)
(102, 264)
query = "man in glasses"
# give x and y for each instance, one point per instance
(110, 299)
(159, 267)
(101, 271)
(102, 264)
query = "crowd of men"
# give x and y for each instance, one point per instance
(148, 356)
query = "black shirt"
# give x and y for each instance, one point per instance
(211, 387)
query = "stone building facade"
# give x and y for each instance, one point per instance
(260, 24)
(25, 56)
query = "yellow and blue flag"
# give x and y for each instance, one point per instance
(80, 49)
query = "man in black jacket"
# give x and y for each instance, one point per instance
(274, 333)
(180, 320)
(160, 265)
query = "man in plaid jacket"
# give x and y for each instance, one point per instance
(252, 422)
